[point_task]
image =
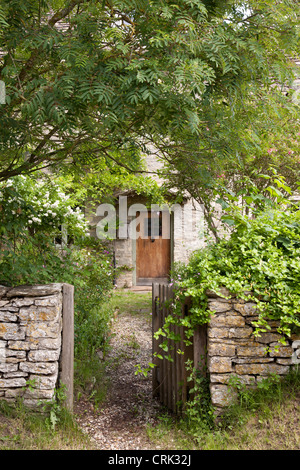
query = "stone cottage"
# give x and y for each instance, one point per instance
(148, 239)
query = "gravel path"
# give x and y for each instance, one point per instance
(121, 422)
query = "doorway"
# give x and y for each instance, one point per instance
(153, 248)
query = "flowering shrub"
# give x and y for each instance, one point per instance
(32, 214)
(29, 202)
(37, 220)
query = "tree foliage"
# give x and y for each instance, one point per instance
(247, 119)
(89, 78)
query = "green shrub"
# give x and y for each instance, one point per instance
(260, 260)
(44, 239)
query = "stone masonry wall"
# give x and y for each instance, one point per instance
(188, 231)
(31, 326)
(233, 350)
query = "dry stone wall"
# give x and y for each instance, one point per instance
(233, 350)
(32, 356)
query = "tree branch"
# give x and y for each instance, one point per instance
(52, 21)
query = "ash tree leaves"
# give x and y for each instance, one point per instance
(103, 73)
(247, 121)
(95, 71)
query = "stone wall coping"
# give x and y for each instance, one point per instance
(38, 290)
(223, 292)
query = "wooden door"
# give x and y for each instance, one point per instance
(153, 249)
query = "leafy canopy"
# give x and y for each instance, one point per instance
(89, 78)
(248, 115)
(85, 78)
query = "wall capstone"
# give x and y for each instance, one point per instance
(32, 340)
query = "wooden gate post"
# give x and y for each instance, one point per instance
(67, 355)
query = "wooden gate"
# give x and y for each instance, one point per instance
(170, 378)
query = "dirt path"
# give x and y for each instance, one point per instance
(121, 422)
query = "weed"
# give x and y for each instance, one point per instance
(199, 412)
(24, 429)
(133, 342)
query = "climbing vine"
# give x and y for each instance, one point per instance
(258, 260)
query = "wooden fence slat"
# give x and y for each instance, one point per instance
(166, 362)
(162, 367)
(170, 378)
(199, 343)
(177, 370)
(174, 363)
(162, 379)
(175, 376)
(169, 363)
(183, 371)
(155, 348)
